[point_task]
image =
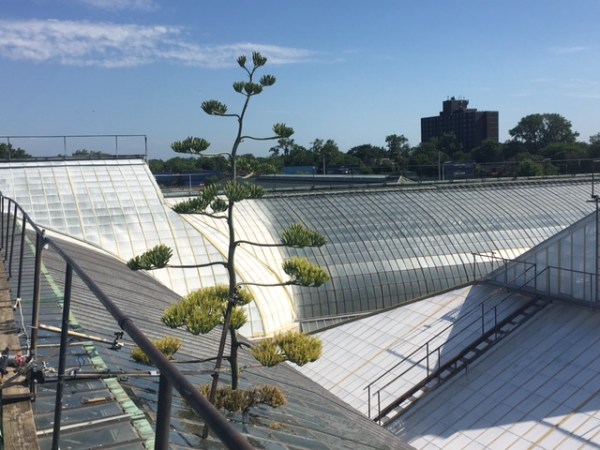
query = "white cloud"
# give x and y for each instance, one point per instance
(566, 50)
(121, 5)
(112, 45)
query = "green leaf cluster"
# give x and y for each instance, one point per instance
(205, 199)
(155, 258)
(242, 399)
(267, 80)
(167, 345)
(204, 309)
(214, 108)
(237, 192)
(298, 235)
(258, 60)
(282, 131)
(292, 346)
(191, 145)
(304, 272)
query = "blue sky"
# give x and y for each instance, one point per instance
(348, 70)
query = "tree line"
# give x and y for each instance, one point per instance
(540, 144)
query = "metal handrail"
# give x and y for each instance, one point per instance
(170, 376)
(451, 325)
(426, 345)
(78, 136)
(484, 332)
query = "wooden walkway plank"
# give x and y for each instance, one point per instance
(17, 417)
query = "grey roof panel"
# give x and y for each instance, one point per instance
(313, 418)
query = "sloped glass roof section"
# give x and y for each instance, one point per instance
(116, 205)
(384, 246)
(388, 246)
(562, 267)
(538, 388)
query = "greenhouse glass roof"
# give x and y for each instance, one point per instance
(385, 246)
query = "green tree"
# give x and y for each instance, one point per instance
(324, 153)
(156, 165)
(563, 150)
(299, 156)
(397, 148)
(487, 152)
(594, 147)
(368, 154)
(449, 145)
(537, 131)
(203, 310)
(283, 147)
(425, 159)
(84, 153)
(532, 165)
(7, 151)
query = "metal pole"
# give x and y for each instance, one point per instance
(12, 242)
(163, 415)
(496, 322)
(64, 334)
(379, 405)
(482, 320)
(369, 401)
(597, 252)
(21, 256)
(7, 235)
(40, 241)
(1, 222)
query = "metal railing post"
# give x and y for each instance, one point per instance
(369, 401)
(496, 322)
(6, 233)
(40, 241)
(482, 319)
(12, 242)
(1, 221)
(427, 350)
(21, 256)
(163, 415)
(64, 333)
(379, 405)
